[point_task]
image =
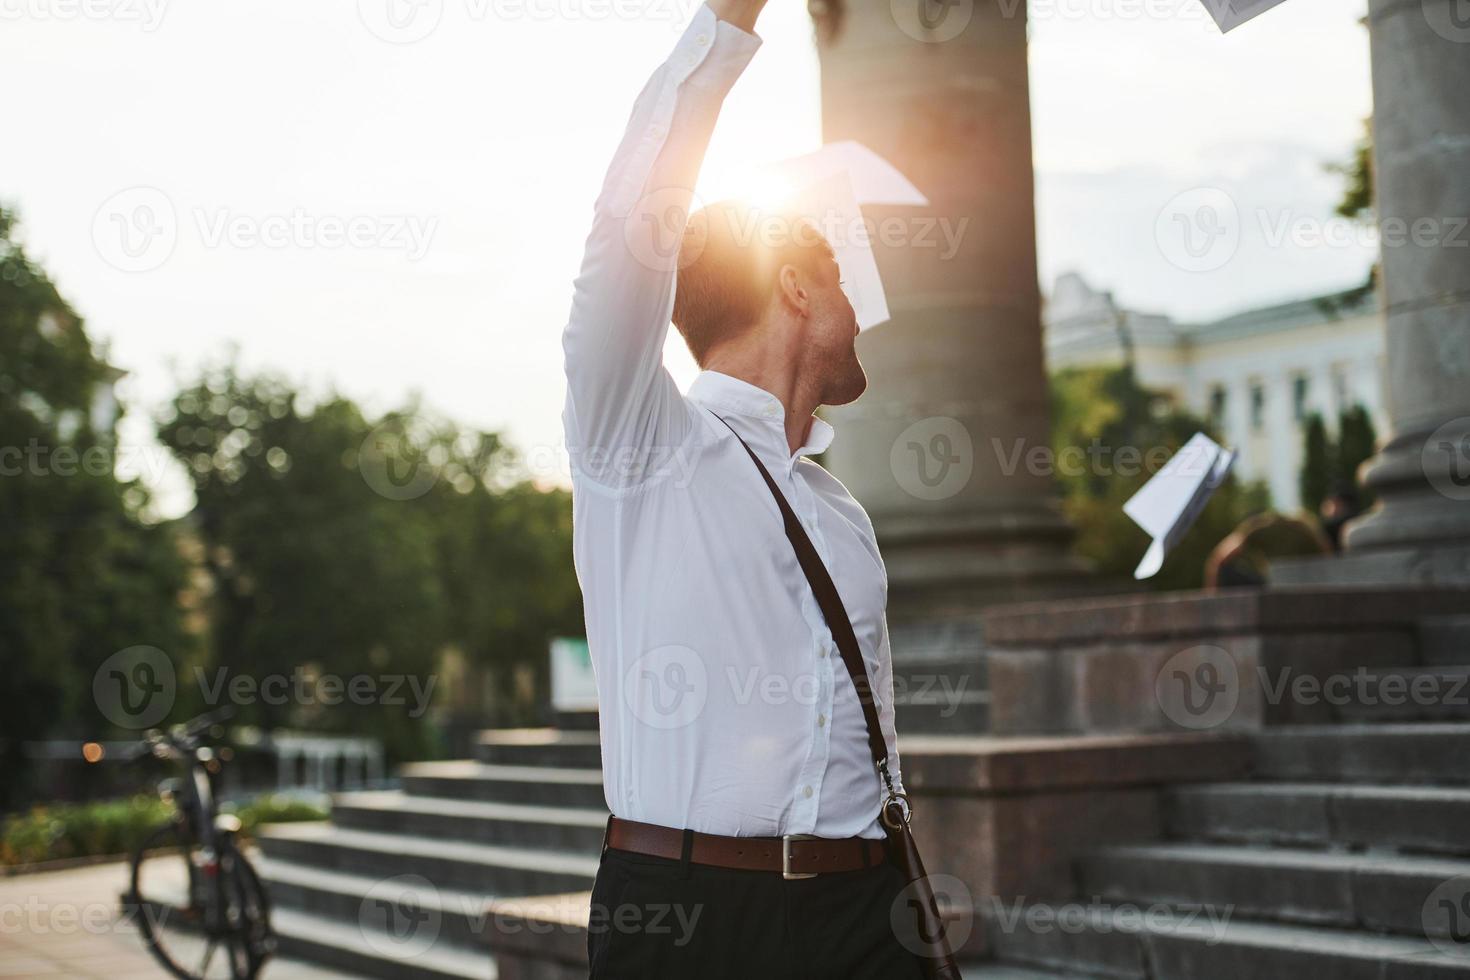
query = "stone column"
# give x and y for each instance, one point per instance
(1421, 77)
(947, 450)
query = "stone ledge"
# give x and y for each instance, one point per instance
(1204, 614)
(993, 765)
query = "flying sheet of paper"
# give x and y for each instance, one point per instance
(1230, 14)
(829, 188)
(1169, 504)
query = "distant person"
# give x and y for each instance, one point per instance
(1338, 508)
(756, 813)
(1243, 558)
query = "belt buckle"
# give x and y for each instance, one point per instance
(786, 871)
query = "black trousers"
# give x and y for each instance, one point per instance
(659, 919)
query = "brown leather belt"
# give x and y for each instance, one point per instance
(794, 856)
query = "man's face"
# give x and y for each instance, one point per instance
(831, 343)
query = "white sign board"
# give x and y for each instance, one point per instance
(573, 685)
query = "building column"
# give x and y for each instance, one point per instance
(1421, 74)
(1282, 439)
(949, 449)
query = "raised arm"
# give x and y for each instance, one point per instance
(623, 414)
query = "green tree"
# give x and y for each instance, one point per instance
(1356, 443)
(342, 546)
(1126, 432)
(81, 575)
(1318, 464)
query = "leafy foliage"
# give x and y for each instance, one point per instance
(1126, 432)
(81, 576)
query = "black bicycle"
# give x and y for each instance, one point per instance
(198, 903)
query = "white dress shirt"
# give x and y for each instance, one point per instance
(724, 704)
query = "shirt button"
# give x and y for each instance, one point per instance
(806, 791)
(821, 720)
(655, 131)
(702, 40)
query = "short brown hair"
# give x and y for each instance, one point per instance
(728, 262)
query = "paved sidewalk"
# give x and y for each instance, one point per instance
(66, 924)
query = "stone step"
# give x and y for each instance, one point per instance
(1435, 693)
(455, 919)
(368, 952)
(1426, 819)
(1379, 891)
(1125, 943)
(547, 827)
(538, 785)
(1444, 639)
(539, 747)
(938, 713)
(1390, 753)
(493, 870)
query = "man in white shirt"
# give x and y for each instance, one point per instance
(736, 760)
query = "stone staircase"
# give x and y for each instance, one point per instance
(405, 883)
(1345, 855)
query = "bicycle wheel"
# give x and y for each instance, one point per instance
(202, 919)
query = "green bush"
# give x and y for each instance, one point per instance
(50, 833)
(277, 809)
(69, 830)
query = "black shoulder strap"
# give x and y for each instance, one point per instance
(832, 610)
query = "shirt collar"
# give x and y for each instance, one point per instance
(725, 395)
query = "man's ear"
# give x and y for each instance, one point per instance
(792, 286)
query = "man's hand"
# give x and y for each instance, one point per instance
(741, 13)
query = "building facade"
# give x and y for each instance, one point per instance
(1258, 376)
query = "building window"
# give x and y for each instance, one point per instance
(1219, 403)
(1300, 391)
(1258, 406)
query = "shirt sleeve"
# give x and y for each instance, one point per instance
(624, 415)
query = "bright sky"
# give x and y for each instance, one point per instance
(464, 164)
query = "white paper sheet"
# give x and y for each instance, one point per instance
(1170, 503)
(1230, 14)
(829, 187)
